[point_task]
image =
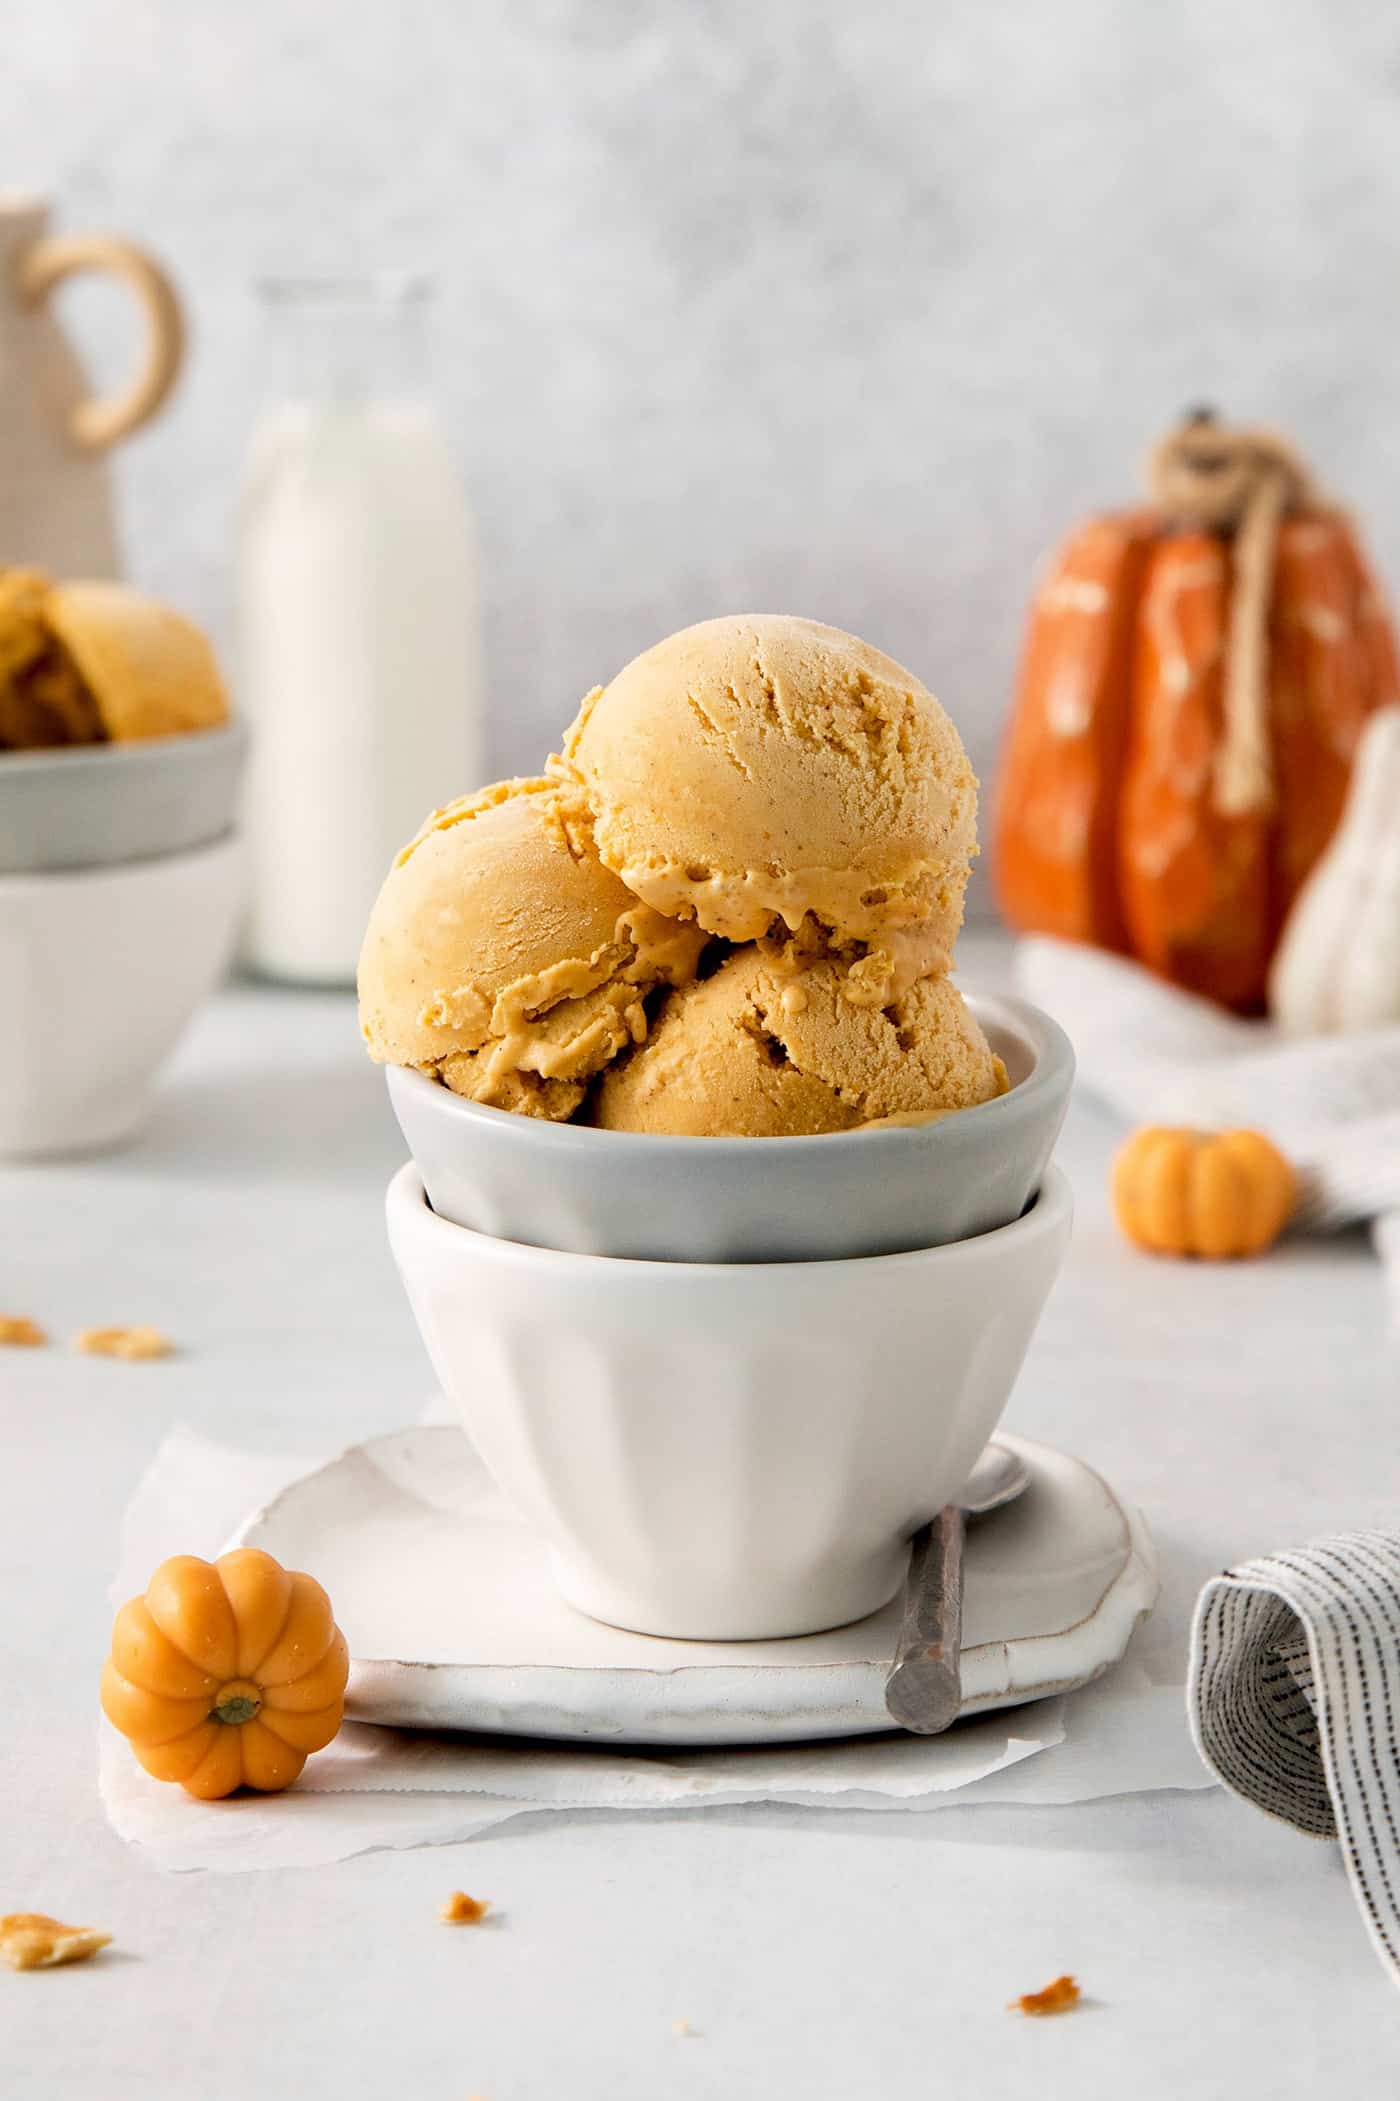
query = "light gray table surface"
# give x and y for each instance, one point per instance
(827, 1954)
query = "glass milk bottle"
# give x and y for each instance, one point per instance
(359, 654)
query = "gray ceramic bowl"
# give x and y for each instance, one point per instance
(96, 805)
(876, 1192)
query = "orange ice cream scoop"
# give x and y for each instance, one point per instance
(150, 672)
(504, 959)
(88, 663)
(761, 1050)
(754, 771)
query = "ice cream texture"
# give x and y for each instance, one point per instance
(728, 906)
(92, 663)
(757, 772)
(502, 957)
(760, 1050)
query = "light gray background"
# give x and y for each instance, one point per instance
(799, 304)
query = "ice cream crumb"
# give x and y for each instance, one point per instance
(19, 1333)
(683, 2030)
(462, 1910)
(794, 1000)
(134, 1345)
(30, 1940)
(1058, 1997)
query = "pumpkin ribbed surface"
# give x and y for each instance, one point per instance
(226, 1674)
(1215, 1195)
(1177, 757)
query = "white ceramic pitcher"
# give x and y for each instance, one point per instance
(55, 490)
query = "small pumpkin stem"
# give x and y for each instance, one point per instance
(235, 1705)
(1202, 412)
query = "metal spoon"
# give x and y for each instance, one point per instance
(924, 1689)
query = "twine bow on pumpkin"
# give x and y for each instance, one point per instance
(1211, 478)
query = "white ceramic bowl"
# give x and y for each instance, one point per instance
(875, 1192)
(727, 1451)
(100, 969)
(93, 805)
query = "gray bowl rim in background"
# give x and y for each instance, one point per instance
(829, 1197)
(102, 805)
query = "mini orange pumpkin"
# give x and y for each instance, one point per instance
(1214, 1194)
(226, 1674)
(1195, 681)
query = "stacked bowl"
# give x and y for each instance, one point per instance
(120, 887)
(729, 1220)
(727, 1379)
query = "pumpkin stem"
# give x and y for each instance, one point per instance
(1239, 484)
(236, 1704)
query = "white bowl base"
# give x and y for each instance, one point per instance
(453, 1620)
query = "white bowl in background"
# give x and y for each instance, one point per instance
(94, 805)
(100, 969)
(727, 1451)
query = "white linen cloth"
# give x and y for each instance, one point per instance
(389, 1787)
(1155, 1053)
(1294, 1694)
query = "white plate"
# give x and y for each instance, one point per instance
(453, 1622)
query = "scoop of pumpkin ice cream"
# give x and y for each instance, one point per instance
(43, 702)
(151, 672)
(22, 637)
(766, 1050)
(504, 959)
(89, 663)
(753, 771)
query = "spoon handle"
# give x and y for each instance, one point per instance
(923, 1691)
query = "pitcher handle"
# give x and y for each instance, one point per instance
(103, 419)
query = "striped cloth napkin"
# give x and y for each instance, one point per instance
(1294, 1697)
(1157, 1054)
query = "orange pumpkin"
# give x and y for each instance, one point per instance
(1213, 1194)
(226, 1674)
(1194, 683)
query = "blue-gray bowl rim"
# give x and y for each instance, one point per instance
(1052, 1072)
